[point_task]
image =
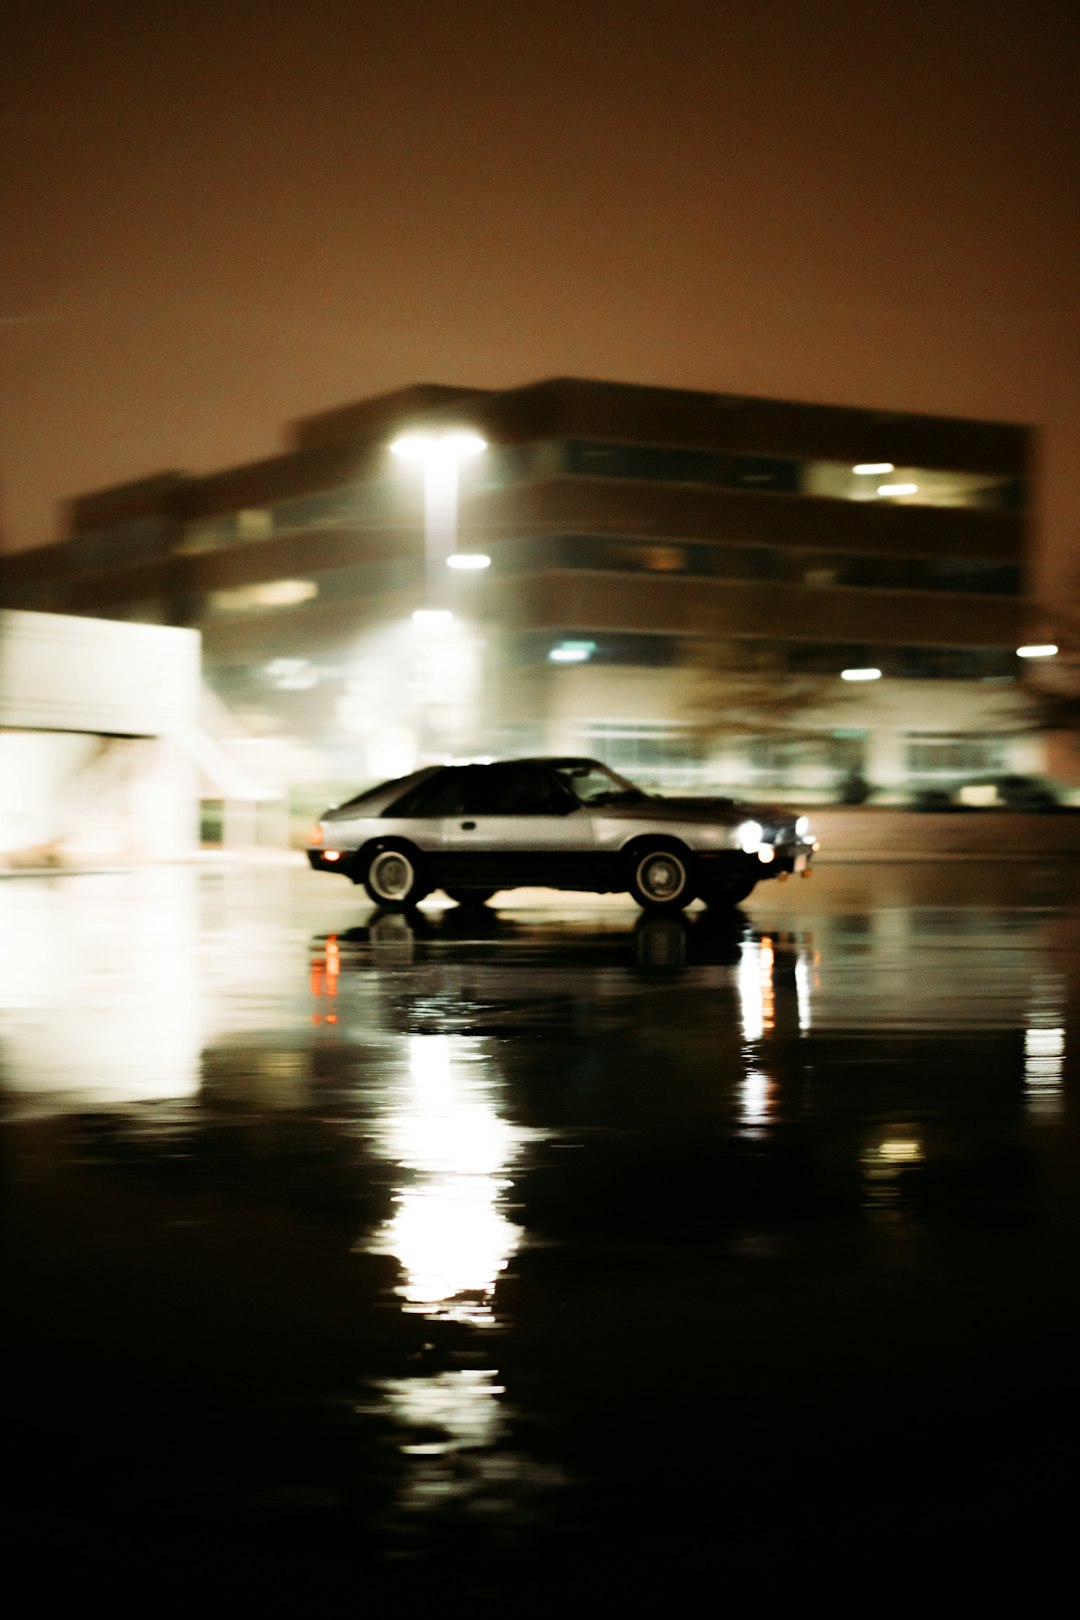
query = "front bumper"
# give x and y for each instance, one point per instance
(789, 858)
(781, 861)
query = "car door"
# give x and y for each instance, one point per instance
(518, 825)
(419, 817)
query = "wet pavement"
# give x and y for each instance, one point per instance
(541, 1254)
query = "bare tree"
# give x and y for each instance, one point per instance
(1049, 695)
(739, 690)
(743, 689)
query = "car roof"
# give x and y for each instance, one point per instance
(527, 759)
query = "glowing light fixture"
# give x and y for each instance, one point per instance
(432, 616)
(873, 468)
(1040, 649)
(572, 652)
(468, 562)
(455, 445)
(898, 489)
(860, 674)
(439, 457)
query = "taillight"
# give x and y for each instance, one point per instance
(318, 836)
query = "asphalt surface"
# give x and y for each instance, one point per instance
(541, 1255)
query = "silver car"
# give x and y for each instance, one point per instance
(472, 830)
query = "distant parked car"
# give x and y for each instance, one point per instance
(1006, 792)
(572, 823)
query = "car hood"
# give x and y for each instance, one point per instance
(726, 811)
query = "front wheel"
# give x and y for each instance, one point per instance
(661, 878)
(393, 879)
(728, 891)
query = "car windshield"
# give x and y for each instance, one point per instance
(595, 784)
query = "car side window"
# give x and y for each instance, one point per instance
(508, 790)
(441, 795)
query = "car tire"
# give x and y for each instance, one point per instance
(661, 877)
(394, 878)
(469, 897)
(728, 891)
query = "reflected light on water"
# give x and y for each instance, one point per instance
(1044, 1065)
(100, 1003)
(450, 1231)
(803, 989)
(1044, 1047)
(453, 1239)
(900, 1152)
(453, 1426)
(756, 994)
(884, 1165)
(461, 1405)
(755, 1100)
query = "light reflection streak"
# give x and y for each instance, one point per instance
(460, 1404)
(756, 991)
(803, 988)
(453, 1238)
(100, 1003)
(454, 1428)
(1044, 1065)
(755, 1100)
(884, 1164)
(1044, 1047)
(450, 1230)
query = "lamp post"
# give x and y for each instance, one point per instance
(441, 668)
(440, 456)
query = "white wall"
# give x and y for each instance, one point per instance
(95, 722)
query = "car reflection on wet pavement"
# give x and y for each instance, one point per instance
(491, 1258)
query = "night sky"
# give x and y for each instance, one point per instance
(215, 217)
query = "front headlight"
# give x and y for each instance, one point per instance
(802, 826)
(748, 836)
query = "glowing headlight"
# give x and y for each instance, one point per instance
(748, 836)
(802, 826)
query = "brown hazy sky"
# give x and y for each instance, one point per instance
(215, 217)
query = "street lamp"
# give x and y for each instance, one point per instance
(444, 660)
(440, 456)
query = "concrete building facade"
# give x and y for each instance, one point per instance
(679, 582)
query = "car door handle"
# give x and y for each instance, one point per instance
(468, 826)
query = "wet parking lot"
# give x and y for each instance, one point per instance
(542, 1253)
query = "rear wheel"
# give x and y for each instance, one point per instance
(469, 897)
(661, 878)
(728, 891)
(394, 879)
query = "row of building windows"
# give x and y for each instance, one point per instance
(756, 474)
(815, 570)
(795, 566)
(761, 657)
(120, 544)
(381, 500)
(662, 754)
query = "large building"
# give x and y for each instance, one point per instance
(696, 587)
